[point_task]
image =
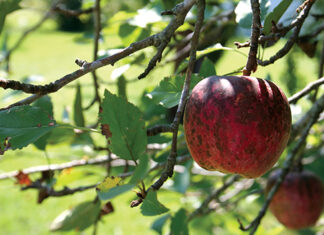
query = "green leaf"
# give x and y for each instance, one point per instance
(138, 59)
(275, 15)
(78, 113)
(4, 48)
(168, 92)
(182, 180)
(204, 52)
(46, 105)
(81, 139)
(128, 139)
(183, 65)
(168, 4)
(152, 111)
(217, 47)
(61, 135)
(42, 141)
(69, 176)
(108, 183)
(7, 6)
(65, 115)
(125, 30)
(122, 87)
(159, 223)
(207, 68)
(130, 33)
(115, 191)
(151, 206)
(160, 138)
(23, 125)
(179, 223)
(243, 12)
(141, 169)
(78, 218)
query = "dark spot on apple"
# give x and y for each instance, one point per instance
(199, 139)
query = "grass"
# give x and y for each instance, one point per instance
(51, 54)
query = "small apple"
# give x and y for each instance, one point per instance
(299, 201)
(237, 124)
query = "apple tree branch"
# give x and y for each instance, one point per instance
(252, 64)
(318, 107)
(155, 40)
(297, 23)
(168, 171)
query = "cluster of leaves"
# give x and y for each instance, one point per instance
(125, 133)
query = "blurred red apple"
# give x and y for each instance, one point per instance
(299, 201)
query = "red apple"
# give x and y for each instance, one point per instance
(299, 201)
(237, 124)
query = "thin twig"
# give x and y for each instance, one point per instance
(112, 159)
(7, 55)
(27, 100)
(56, 167)
(253, 226)
(252, 64)
(320, 71)
(318, 16)
(70, 12)
(282, 31)
(154, 40)
(159, 129)
(60, 193)
(233, 203)
(149, 147)
(316, 31)
(302, 122)
(97, 25)
(298, 23)
(209, 34)
(311, 86)
(240, 45)
(85, 68)
(95, 227)
(204, 205)
(179, 160)
(168, 171)
(50, 192)
(180, 11)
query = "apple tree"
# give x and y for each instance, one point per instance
(154, 123)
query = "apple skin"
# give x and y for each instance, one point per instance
(299, 201)
(237, 124)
